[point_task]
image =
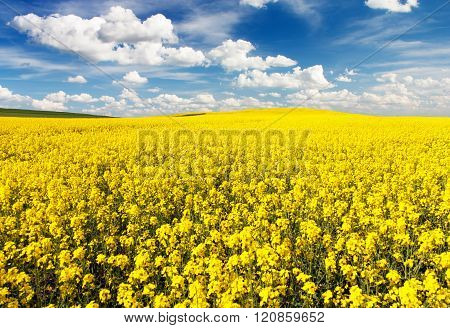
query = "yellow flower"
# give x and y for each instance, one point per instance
(104, 295)
(327, 296)
(393, 276)
(88, 280)
(408, 293)
(310, 288)
(356, 297)
(92, 304)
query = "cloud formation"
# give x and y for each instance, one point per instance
(119, 36)
(396, 6)
(76, 79)
(256, 3)
(134, 78)
(308, 78)
(395, 94)
(234, 56)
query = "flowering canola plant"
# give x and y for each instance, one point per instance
(92, 215)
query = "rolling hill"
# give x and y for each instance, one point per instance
(43, 114)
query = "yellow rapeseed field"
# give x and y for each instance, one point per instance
(322, 209)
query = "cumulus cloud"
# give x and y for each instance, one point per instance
(396, 6)
(82, 98)
(107, 99)
(7, 96)
(280, 61)
(346, 76)
(119, 36)
(234, 56)
(395, 94)
(367, 102)
(122, 25)
(342, 99)
(245, 102)
(131, 95)
(57, 97)
(256, 3)
(308, 78)
(76, 79)
(205, 98)
(57, 101)
(170, 103)
(183, 56)
(134, 78)
(46, 104)
(343, 78)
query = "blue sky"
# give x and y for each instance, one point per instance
(143, 58)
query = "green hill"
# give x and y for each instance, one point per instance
(38, 113)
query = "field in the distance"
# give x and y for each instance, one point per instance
(225, 210)
(6, 112)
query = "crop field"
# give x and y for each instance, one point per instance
(6, 112)
(318, 209)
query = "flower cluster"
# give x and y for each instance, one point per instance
(358, 217)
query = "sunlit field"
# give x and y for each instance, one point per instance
(319, 209)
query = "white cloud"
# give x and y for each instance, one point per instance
(309, 78)
(205, 98)
(154, 90)
(350, 72)
(367, 102)
(82, 98)
(134, 78)
(342, 99)
(343, 78)
(256, 3)
(393, 5)
(395, 94)
(346, 76)
(245, 102)
(115, 106)
(270, 94)
(122, 25)
(97, 111)
(55, 101)
(7, 96)
(234, 56)
(184, 56)
(60, 97)
(5, 93)
(387, 77)
(280, 61)
(46, 104)
(169, 103)
(119, 36)
(128, 94)
(76, 79)
(107, 99)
